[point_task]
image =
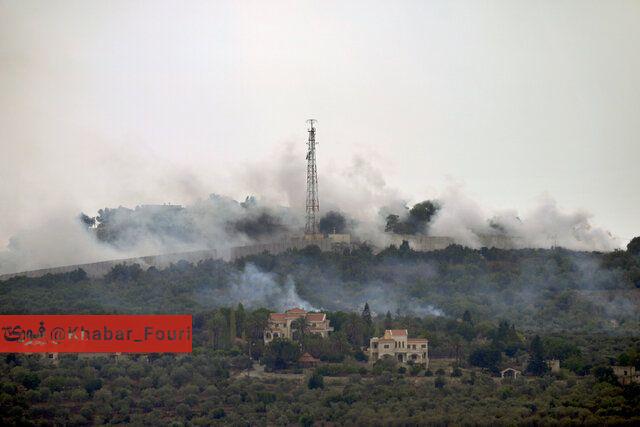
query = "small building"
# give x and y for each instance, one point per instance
(554, 365)
(339, 238)
(510, 373)
(279, 324)
(397, 344)
(308, 361)
(626, 374)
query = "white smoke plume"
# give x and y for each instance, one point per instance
(359, 191)
(60, 240)
(254, 288)
(543, 226)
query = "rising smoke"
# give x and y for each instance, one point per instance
(359, 193)
(254, 288)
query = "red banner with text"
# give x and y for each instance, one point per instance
(96, 333)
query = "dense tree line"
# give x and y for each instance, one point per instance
(536, 289)
(499, 309)
(208, 388)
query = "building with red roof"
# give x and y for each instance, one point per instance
(279, 324)
(397, 344)
(308, 360)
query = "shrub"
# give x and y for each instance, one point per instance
(218, 413)
(315, 381)
(306, 420)
(184, 410)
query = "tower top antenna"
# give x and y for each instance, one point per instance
(311, 123)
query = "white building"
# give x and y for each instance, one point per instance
(397, 344)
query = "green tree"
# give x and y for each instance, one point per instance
(366, 315)
(92, 385)
(392, 223)
(315, 381)
(605, 374)
(367, 320)
(332, 222)
(233, 332)
(633, 247)
(466, 317)
(300, 329)
(487, 357)
(388, 321)
(537, 365)
(241, 317)
(281, 353)
(219, 331)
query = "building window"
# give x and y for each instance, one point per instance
(386, 346)
(424, 346)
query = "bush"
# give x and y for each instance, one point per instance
(306, 420)
(315, 381)
(360, 356)
(184, 410)
(415, 370)
(92, 385)
(386, 364)
(218, 413)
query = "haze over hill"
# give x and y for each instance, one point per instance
(106, 105)
(358, 194)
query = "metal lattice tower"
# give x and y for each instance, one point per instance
(313, 206)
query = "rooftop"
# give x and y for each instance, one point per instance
(316, 317)
(296, 311)
(307, 358)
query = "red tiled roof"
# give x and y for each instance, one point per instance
(307, 358)
(397, 332)
(294, 315)
(316, 317)
(295, 311)
(277, 316)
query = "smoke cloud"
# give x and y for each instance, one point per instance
(255, 288)
(359, 192)
(543, 226)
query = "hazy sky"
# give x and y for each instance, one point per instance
(107, 103)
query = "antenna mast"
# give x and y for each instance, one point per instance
(313, 205)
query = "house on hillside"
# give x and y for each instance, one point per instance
(554, 365)
(510, 373)
(279, 324)
(397, 344)
(626, 374)
(308, 361)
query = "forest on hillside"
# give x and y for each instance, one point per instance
(536, 289)
(231, 378)
(481, 310)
